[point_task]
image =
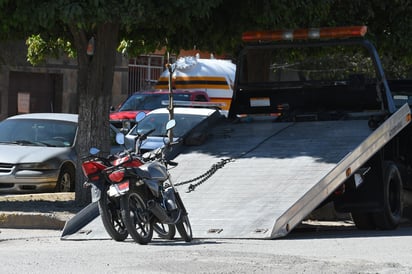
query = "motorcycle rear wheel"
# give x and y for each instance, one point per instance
(109, 210)
(136, 217)
(165, 231)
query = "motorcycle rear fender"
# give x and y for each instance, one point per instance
(97, 188)
(95, 193)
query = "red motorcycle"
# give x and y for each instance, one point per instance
(111, 178)
(106, 177)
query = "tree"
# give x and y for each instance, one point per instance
(389, 24)
(66, 27)
(102, 23)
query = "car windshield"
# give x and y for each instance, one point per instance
(150, 101)
(184, 123)
(38, 132)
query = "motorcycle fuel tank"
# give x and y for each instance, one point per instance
(157, 171)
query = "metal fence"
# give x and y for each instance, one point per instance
(144, 71)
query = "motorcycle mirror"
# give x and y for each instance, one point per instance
(94, 151)
(140, 116)
(171, 124)
(120, 138)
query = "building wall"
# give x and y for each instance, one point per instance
(130, 75)
(13, 58)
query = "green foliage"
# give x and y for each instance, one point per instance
(214, 25)
(39, 49)
(389, 27)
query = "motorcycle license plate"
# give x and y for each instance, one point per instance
(118, 189)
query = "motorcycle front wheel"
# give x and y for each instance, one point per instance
(136, 217)
(165, 231)
(183, 225)
(184, 228)
(109, 210)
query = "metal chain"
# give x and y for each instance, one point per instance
(202, 178)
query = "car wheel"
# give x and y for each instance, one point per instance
(65, 183)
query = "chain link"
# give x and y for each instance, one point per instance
(202, 178)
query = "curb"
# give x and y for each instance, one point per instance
(27, 210)
(20, 220)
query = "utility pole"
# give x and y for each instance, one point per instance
(170, 108)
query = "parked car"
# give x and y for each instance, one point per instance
(124, 117)
(37, 152)
(191, 126)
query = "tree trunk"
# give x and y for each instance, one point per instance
(94, 87)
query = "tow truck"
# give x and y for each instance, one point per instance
(312, 121)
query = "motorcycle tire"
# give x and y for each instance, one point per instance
(136, 217)
(184, 228)
(109, 210)
(165, 231)
(183, 225)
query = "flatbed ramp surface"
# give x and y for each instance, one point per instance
(279, 174)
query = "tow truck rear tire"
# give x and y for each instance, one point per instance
(391, 215)
(363, 220)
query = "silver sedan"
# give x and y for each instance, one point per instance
(37, 153)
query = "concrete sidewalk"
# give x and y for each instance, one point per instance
(37, 211)
(52, 210)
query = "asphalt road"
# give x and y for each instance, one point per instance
(317, 249)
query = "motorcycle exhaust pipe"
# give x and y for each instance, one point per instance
(159, 212)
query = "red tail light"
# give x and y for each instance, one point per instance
(117, 175)
(92, 168)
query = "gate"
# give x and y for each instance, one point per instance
(31, 92)
(144, 71)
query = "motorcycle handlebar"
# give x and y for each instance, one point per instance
(143, 136)
(126, 152)
(171, 163)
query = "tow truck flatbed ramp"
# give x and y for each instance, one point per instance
(280, 173)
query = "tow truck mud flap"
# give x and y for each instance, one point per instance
(80, 220)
